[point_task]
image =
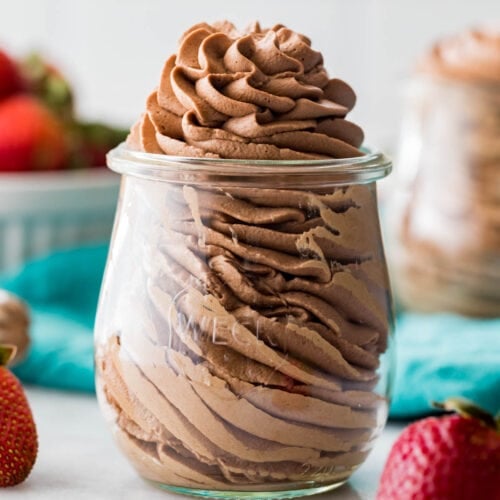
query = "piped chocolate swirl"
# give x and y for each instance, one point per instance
(258, 94)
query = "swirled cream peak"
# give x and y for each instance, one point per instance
(258, 94)
(471, 55)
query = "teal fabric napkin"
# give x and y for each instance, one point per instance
(442, 355)
(62, 291)
(436, 355)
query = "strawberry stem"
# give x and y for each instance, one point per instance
(468, 409)
(7, 353)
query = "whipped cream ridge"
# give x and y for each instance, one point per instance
(259, 94)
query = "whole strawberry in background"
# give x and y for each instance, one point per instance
(39, 128)
(453, 457)
(31, 136)
(88, 142)
(11, 80)
(18, 436)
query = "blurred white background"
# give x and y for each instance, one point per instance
(113, 50)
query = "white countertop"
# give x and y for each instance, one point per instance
(78, 459)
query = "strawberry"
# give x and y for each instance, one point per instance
(452, 457)
(18, 437)
(11, 81)
(31, 137)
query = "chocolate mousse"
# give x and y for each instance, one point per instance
(448, 255)
(246, 353)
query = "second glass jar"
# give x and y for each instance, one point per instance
(445, 215)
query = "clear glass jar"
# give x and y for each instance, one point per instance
(445, 245)
(244, 325)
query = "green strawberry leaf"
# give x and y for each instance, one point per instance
(467, 409)
(7, 353)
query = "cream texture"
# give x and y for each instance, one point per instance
(253, 357)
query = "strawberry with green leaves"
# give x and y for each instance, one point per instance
(18, 436)
(39, 129)
(88, 142)
(452, 457)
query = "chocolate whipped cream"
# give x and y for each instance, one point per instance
(242, 324)
(448, 255)
(259, 94)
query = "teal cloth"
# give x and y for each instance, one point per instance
(62, 291)
(442, 355)
(437, 355)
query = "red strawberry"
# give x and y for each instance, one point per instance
(31, 137)
(454, 457)
(18, 437)
(10, 77)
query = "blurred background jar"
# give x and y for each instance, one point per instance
(446, 204)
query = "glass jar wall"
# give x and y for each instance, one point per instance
(244, 328)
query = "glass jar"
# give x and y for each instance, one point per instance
(446, 250)
(244, 325)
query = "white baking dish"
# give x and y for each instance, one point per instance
(44, 211)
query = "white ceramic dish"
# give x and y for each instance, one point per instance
(44, 211)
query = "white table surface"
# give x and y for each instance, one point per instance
(78, 459)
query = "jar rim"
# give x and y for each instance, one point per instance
(358, 170)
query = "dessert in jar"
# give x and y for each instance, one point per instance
(243, 331)
(446, 250)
